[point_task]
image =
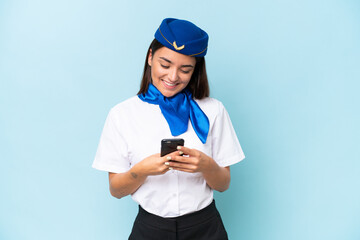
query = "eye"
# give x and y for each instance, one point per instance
(185, 70)
(164, 66)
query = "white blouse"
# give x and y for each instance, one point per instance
(133, 131)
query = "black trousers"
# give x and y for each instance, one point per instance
(201, 225)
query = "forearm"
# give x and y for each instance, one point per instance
(123, 184)
(218, 178)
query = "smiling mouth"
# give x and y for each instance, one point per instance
(168, 84)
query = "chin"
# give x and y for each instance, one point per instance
(169, 94)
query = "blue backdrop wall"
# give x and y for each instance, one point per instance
(287, 71)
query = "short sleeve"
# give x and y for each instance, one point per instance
(226, 149)
(112, 153)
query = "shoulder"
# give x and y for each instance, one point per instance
(210, 106)
(132, 108)
(126, 107)
(127, 104)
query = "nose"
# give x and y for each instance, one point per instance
(173, 75)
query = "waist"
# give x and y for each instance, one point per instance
(174, 223)
(174, 194)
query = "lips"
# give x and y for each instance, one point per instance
(168, 85)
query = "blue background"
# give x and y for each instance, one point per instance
(287, 71)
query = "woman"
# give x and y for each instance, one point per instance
(174, 192)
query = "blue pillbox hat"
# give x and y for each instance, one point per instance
(183, 37)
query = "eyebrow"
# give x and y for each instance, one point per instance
(167, 60)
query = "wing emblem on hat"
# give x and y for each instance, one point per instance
(178, 48)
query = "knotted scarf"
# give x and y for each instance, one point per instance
(177, 110)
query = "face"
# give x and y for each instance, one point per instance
(170, 71)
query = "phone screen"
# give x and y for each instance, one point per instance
(170, 145)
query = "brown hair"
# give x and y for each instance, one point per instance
(198, 85)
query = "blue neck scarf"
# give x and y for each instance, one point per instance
(177, 110)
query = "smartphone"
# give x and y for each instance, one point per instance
(170, 145)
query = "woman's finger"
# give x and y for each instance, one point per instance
(182, 159)
(184, 170)
(170, 156)
(184, 167)
(186, 151)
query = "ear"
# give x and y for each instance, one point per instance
(150, 57)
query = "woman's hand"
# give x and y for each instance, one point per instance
(123, 184)
(193, 160)
(152, 165)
